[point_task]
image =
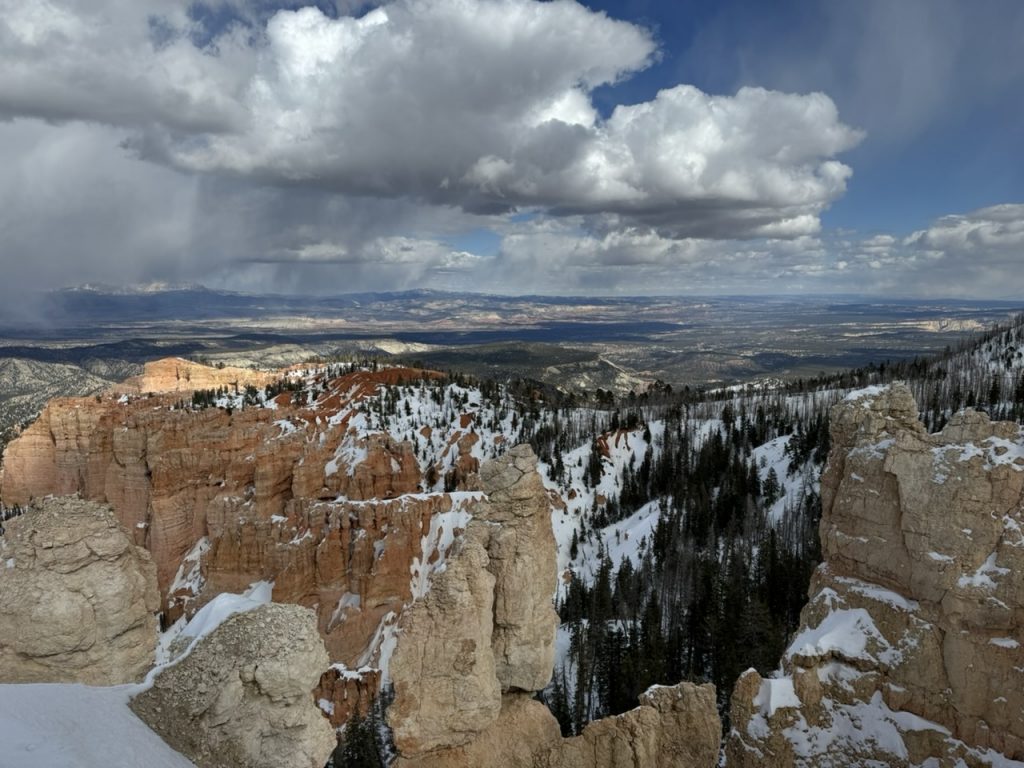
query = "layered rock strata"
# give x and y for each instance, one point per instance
(78, 599)
(174, 374)
(447, 595)
(295, 490)
(909, 651)
(242, 697)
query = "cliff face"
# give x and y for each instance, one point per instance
(173, 374)
(78, 600)
(471, 654)
(487, 625)
(446, 594)
(909, 649)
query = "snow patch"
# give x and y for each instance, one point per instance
(80, 726)
(435, 547)
(1004, 642)
(774, 694)
(867, 393)
(846, 631)
(982, 578)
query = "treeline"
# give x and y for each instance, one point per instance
(366, 741)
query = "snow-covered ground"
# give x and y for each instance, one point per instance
(78, 726)
(81, 726)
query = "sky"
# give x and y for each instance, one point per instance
(514, 146)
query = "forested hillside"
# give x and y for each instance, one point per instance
(691, 525)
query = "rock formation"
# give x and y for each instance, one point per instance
(242, 698)
(909, 649)
(298, 491)
(78, 600)
(443, 670)
(487, 624)
(673, 726)
(473, 651)
(521, 556)
(173, 374)
(447, 595)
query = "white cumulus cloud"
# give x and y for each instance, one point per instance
(481, 104)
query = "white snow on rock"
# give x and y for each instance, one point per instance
(189, 578)
(871, 727)
(207, 619)
(1004, 642)
(438, 540)
(867, 393)
(846, 631)
(776, 693)
(879, 593)
(995, 452)
(982, 578)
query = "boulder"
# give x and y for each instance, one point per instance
(78, 599)
(243, 696)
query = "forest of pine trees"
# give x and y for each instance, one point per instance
(719, 588)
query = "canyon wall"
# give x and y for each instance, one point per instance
(298, 491)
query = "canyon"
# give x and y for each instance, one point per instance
(420, 550)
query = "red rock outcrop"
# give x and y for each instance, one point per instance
(174, 374)
(174, 475)
(298, 491)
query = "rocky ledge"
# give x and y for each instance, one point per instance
(242, 696)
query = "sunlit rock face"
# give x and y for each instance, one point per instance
(909, 649)
(473, 652)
